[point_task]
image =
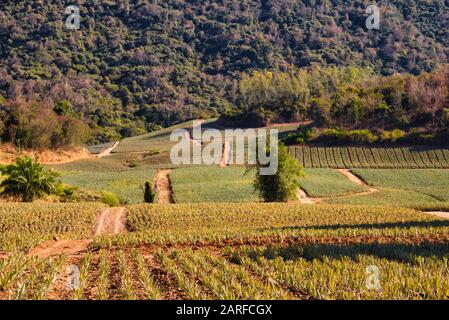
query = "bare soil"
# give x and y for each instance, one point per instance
(9, 154)
(163, 187)
(304, 198)
(67, 247)
(352, 177)
(108, 151)
(110, 221)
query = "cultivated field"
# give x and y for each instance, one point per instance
(219, 241)
(245, 251)
(213, 184)
(24, 226)
(125, 184)
(371, 157)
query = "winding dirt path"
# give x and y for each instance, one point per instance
(109, 221)
(67, 247)
(108, 151)
(163, 187)
(352, 177)
(305, 199)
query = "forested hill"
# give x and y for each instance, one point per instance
(135, 64)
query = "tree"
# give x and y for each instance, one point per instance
(284, 184)
(27, 180)
(149, 193)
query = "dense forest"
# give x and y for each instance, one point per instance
(135, 65)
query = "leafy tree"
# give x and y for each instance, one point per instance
(284, 184)
(27, 180)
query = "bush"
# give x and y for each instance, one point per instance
(392, 136)
(149, 194)
(110, 199)
(284, 184)
(361, 136)
(301, 136)
(27, 180)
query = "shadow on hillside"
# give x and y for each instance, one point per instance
(400, 252)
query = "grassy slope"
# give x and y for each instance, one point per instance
(327, 183)
(212, 184)
(126, 184)
(433, 182)
(115, 172)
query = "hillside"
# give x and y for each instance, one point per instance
(137, 65)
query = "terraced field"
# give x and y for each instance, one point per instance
(373, 157)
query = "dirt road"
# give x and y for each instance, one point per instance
(109, 221)
(305, 199)
(163, 187)
(108, 151)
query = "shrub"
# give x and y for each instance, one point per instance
(284, 184)
(338, 136)
(392, 136)
(301, 136)
(110, 199)
(361, 136)
(149, 194)
(27, 180)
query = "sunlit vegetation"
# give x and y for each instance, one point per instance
(342, 271)
(136, 66)
(126, 184)
(213, 184)
(371, 157)
(434, 183)
(328, 183)
(24, 226)
(198, 223)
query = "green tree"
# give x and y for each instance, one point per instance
(149, 194)
(27, 180)
(284, 184)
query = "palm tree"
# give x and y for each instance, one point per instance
(27, 180)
